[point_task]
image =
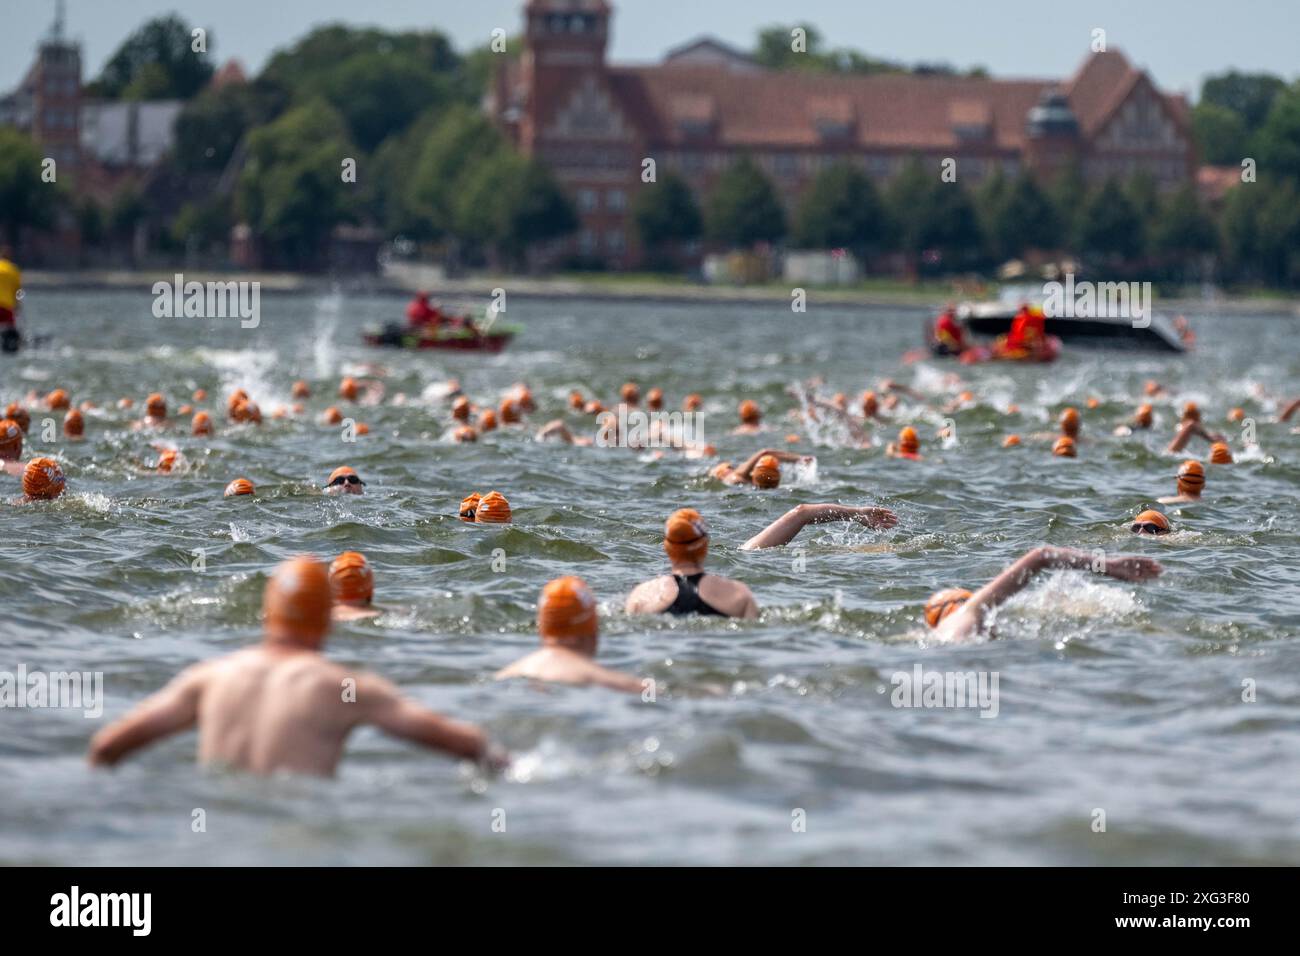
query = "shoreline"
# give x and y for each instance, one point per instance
(600, 288)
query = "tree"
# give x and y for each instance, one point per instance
(379, 95)
(744, 208)
(461, 141)
(841, 209)
(932, 216)
(1277, 144)
(1024, 218)
(1220, 134)
(508, 203)
(291, 190)
(1248, 95)
(1110, 225)
(26, 200)
(1068, 194)
(1183, 229)
(157, 61)
(776, 51)
(209, 128)
(664, 213)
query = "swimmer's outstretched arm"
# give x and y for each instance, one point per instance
(380, 703)
(743, 472)
(783, 529)
(1185, 433)
(1290, 410)
(171, 710)
(969, 617)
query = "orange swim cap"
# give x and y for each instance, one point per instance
(493, 509)
(468, 506)
(300, 389)
(296, 602)
(342, 475)
(155, 406)
(1150, 522)
(348, 389)
(200, 395)
(460, 409)
(908, 442)
(168, 460)
(1065, 447)
(57, 400)
(11, 440)
(1070, 422)
(524, 396)
(487, 421)
(1143, 417)
(237, 396)
(74, 425)
(247, 412)
(332, 416)
(567, 611)
(201, 424)
(686, 536)
(185, 410)
(1011, 441)
(576, 401)
(630, 393)
(942, 603)
(692, 403)
(654, 399)
(510, 412)
(352, 580)
(362, 428)
(240, 486)
(125, 402)
(16, 413)
(464, 434)
(840, 401)
(1191, 412)
(1152, 387)
(43, 478)
(1220, 453)
(766, 472)
(965, 397)
(1013, 409)
(749, 412)
(870, 404)
(1191, 478)
(593, 407)
(1094, 403)
(1236, 415)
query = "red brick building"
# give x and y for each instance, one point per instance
(594, 123)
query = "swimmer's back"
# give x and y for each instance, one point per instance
(265, 710)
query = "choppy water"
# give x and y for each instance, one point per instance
(1119, 697)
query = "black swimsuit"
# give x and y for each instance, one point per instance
(688, 600)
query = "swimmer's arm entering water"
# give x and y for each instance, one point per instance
(744, 471)
(171, 710)
(1290, 410)
(857, 432)
(1185, 433)
(784, 529)
(380, 703)
(969, 618)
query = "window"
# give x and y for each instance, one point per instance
(587, 242)
(586, 200)
(614, 240)
(616, 200)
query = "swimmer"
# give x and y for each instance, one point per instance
(155, 412)
(352, 585)
(908, 445)
(344, 481)
(169, 460)
(1141, 419)
(11, 447)
(43, 480)
(300, 390)
(687, 589)
(957, 614)
(282, 706)
(568, 624)
(460, 409)
(1070, 422)
(784, 529)
(16, 413)
(630, 394)
(751, 418)
(201, 424)
(58, 401)
(1220, 453)
(468, 506)
(74, 425)
(362, 391)
(1191, 482)
(654, 399)
(1150, 522)
(1283, 416)
(238, 488)
(1189, 426)
(1065, 447)
(492, 508)
(762, 469)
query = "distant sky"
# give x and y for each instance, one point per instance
(1179, 41)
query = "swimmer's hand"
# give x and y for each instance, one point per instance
(494, 757)
(877, 518)
(1133, 568)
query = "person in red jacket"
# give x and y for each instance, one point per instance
(948, 338)
(1028, 330)
(420, 315)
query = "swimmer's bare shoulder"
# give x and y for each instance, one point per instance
(653, 596)
(731, 597)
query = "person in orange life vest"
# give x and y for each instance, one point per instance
(420, 315)
(1028, 329)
